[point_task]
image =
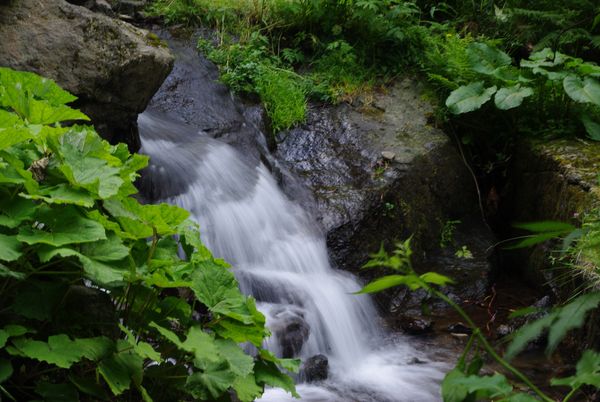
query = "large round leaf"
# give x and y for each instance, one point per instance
(469, 97)
(486, 59)
(511, 97)
(584, 91)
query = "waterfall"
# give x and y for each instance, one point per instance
(279, 256)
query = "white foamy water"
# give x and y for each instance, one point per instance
(280, 257)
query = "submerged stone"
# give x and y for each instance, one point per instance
(315, 368)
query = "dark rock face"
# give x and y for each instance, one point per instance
(112, 67)
(377, 172)
(315, 368)
(381, 173)
(193, 94)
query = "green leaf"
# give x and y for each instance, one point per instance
(60, 226)
(451, 390)
(559, 322)
(494, 386)
(12, 136)
(545, 226)
(588, 372)
(209, 384)
(246, 388)
(485, 59)
(201, 345)
(591, 127)
(266, 373)
(42, 112)
(139, 220)
(40, 87)
(10, 248)
(584, 91)
(535, 239)
(569, 317)
(62, 194)
(111, 249)
(511, 97)
(120, 369)
(6, 370)
(468, 98)
(82, 167)
(5, 272)
(241, 364)
(436, 279)
(390, 281)
(143, 349)
(11, 330)
(292, 365)
(15, 210)
(212, 284)
(520, 397)
(239, 332)
(60, 350)
(99, 272)
(527, 333)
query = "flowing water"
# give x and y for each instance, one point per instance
(280, 257)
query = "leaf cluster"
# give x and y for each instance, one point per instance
(551, 86)
(101, 297)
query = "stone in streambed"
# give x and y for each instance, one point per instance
(315, 368)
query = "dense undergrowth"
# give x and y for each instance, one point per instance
(471, 380)
(101, 297)
(537, 57)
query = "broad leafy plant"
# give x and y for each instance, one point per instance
(466, 382)
(101, 297)
(557, 86)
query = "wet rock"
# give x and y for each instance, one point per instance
(110, 65)
(415, 325)
(459, 328)
(380, 174)
(100, 6)
(290, 329)
(315, 368)
(504, 330)
(193, 94)
(387, 155)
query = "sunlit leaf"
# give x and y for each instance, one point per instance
(511, 97)
(468, 98)
(485, 59)
(584, 91)
(588, 372)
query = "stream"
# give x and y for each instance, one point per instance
(279, 256)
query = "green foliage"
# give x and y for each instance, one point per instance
(464, 382)
(553, 84)
(69, 224)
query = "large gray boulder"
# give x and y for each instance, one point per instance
(113, 67)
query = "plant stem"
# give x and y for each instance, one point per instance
(571, 394)
(489, 349)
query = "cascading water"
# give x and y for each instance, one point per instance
(281, 259)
